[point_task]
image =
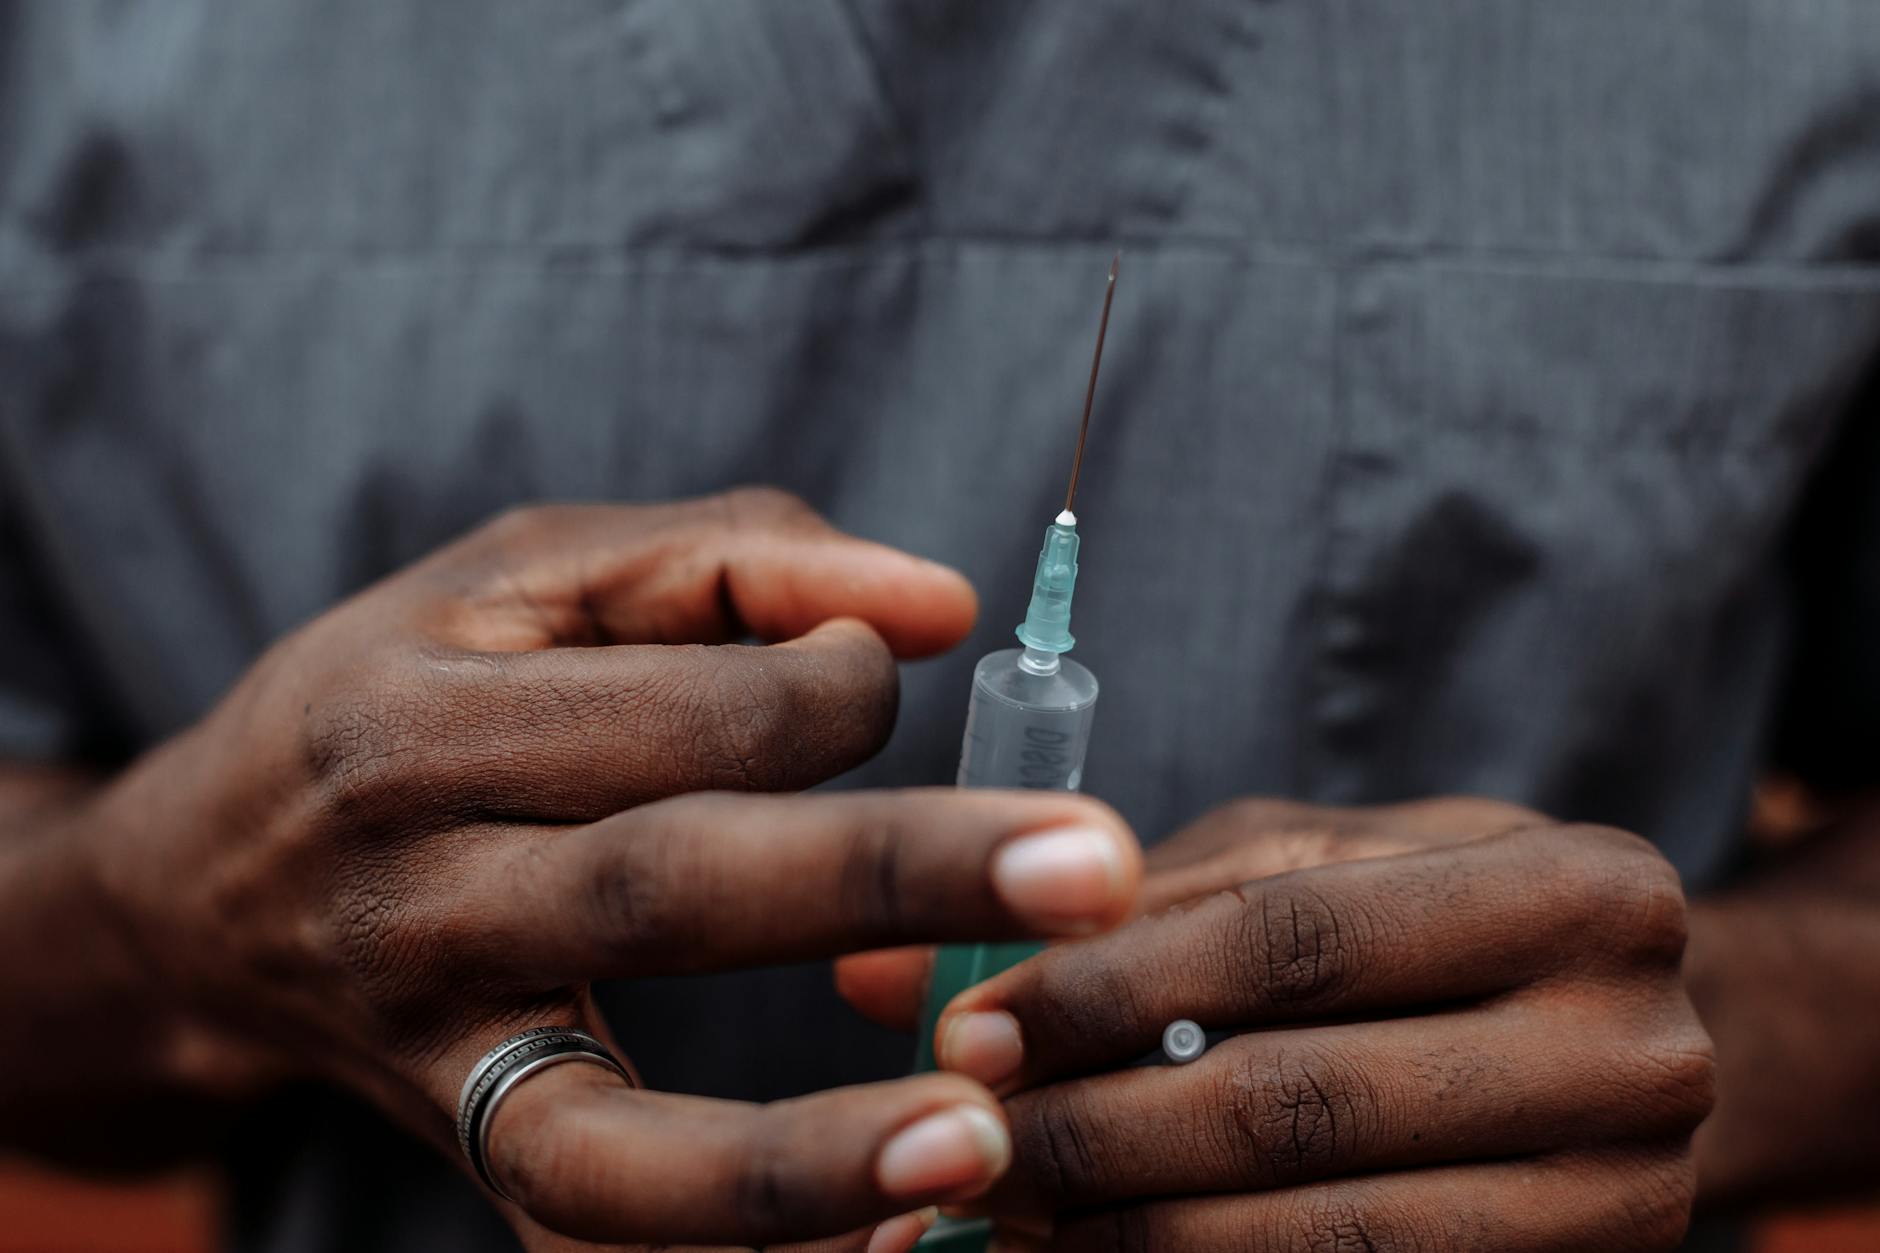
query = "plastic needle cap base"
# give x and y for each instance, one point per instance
(1183, 1042)
(1047, 624)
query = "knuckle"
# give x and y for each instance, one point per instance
(870, 681)
(1299, 1114)
(1595, 850)
(633, 896)
(1643, 927)
(539, 1160)
(356, 746)
(1346, 1226)
(1679, 1078)
(757, 719)
(1304, 946)
(334, 728)
(1481, 814)
(764, 506)
(870, 894)
(1267, 813)
(745, 723)
(1050, 1137)
(522, 1174)
(521, 525)
(1627, 901)
(714, 720)
(1660, 923)
(1125, 1231)
(761, 1199)
(384, 748)
(842, 701)
(768, 1199)
(1076, 1000)
(1657, 1205)
(1113, 1231)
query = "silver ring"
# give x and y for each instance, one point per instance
(498, 1072)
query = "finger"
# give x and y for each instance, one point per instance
(586, 1156)
(1277, 1109)
(720, 880)
(754, 561)
(1637, 1202)
(1245, 839)
(1256, 837)
(574, 734)
(1361, 937)
(887, 987)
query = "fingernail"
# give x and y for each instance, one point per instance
(898, 1235)
(957, 1151)
(986, 1045)
(1060, 880)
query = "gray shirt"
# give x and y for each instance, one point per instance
(1479, 412)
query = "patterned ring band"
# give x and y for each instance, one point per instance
(498, 1072)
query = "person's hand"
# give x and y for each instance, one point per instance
(1460, 1026)
(428, 819)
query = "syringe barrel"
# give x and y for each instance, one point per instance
(1025, 728)
(1028, 726)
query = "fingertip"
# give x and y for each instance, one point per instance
(899, 1235)
(1076, 877)
(885, 986)
(1065, 881)
(939, 610)
(952, 584)
(844, 630)
(919, 607)
(1133, 873)
(866, 665)
(1130, 866)
(949, 1154)
(986, 1045)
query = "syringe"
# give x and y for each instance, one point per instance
(1028, 726)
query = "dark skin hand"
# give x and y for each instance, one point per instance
(1461, 1026)
(428, 819)
(1783, 969)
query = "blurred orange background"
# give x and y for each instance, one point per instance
(45, 1213)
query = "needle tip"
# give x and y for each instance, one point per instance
(1090, 393)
